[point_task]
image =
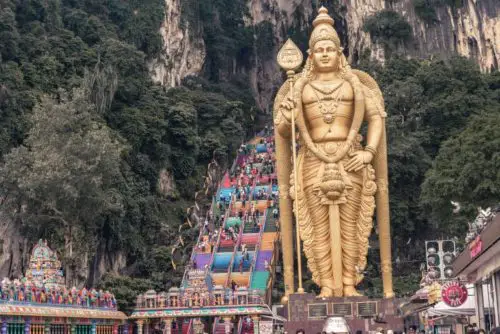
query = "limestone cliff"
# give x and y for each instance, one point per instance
(265, 74)
(15, 250)
(472, 30)
(183, 51)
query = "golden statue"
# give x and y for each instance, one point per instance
(335, 181)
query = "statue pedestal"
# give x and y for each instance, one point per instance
(305, 311)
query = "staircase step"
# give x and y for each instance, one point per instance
(270, 222)
(261, 260)
(259, 280)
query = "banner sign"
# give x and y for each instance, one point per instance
(454, 294)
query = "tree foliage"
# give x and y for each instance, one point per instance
(126, 289)
(389, 28)
(85, 133)
(426, 11)
(437, 122)
(466, 169)
(64, 174)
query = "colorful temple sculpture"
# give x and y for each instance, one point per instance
(227, 285)
(40, 303)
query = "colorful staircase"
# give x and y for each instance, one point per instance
(259, 280)
(241, 254)
(264, 255)
(202, 260)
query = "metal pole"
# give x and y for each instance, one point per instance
(295, 185)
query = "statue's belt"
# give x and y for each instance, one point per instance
(313, 167)
(331, 147)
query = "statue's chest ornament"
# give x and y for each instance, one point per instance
(329, 102)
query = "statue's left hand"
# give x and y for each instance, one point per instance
(358, 160)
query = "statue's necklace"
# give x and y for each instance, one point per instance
(325, 90)
(328, 107)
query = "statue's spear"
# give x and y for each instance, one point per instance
(290, 58)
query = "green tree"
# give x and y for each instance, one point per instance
(453, 92)
(426, 11)
(15, 100)
(466, 170)
(184, 139)
(62, 177)
(126, 289)
(388, 27)
(9, 36)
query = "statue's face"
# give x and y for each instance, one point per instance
(326, 56)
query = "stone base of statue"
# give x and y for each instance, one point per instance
(306, 311)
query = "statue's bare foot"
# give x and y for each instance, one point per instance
(325, 292)
(350, 291)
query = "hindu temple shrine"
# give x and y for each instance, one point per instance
(40, 303)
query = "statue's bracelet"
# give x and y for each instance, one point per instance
(370, 149)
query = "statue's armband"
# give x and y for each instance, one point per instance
(372, 108)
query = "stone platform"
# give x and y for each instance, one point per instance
(305, 311)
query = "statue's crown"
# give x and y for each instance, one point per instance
(323, 29)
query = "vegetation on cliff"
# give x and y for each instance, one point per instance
(439, 135)
(389, 28)
(442, 130)
(85, 134)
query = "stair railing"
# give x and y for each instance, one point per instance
(200, 235)
(240, 235)
(214, 251)
(191, 258)
(214, 326)
(235, 250)
(240, 325)
(257, 249)
(217, 245)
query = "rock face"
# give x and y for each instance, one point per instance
(358, 39)
(166, 184)
(15, 250)
(183, 51)
(473, 30)
(265, 73)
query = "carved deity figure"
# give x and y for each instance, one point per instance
(335, 175)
